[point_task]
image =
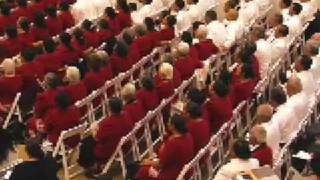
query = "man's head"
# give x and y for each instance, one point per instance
(295, 9)
(281, 31)
(232, 15)
(258, 135)
(278, 97)
(201, 32)
(115, 105)
(241, 149)
(258, 33)
(275, 20)
(264, 113)
(293, 86)
(210, 16)
(303, 63)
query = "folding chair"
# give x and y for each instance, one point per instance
(62, 149)
(14, 110)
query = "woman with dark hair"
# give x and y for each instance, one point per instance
(152, 33)
(66, 16)
(242, 161)
(65, 51)
(148, 94)
(79, 42)
(120, 60)
(104, 33)
(124, 16)
(167, 32)
(90, 34)
(219, 106)
(54, 23)
(63, 117)
(134, 51)
(37, 166)
(7, 150)
(11, 44)
(40, 29)
(114, 23)
(25, 37)
(176, 151)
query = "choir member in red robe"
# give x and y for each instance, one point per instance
(54, 23)
(22, 10)
(154, 35)
(197, 126)
(76, 89)
(167, 33)
(199, 97)
(51, 3)
(11, 43)
(106, 70)
(26, 38)
(79, 42)
(143, 42)
(66, 16)
(90, 34)
(148, 95)
(92, 79)
(165, 84)
(104, 33)
(176, 151)
(187, 38)
(111, 17)
(111, 130)
(63, 117)
(65, 51)
(37, 6)
(205, 47)
(120, 60)
(40, 29)
(134, 51)
(124, 16)
(46, 100)
(219, 106)
(6, 18)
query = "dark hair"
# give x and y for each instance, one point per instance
(110, 12)
(196, 25)
(78, 35)
(241, 149)
(147, 1)
(53, 80)
(220, 89)
(5, 9)
(247, 71)
(64, 6)
(197, 96)
(11, 32)
(103, 24)
(278, 95)
(260, 32)
(28, 54)
(39, 20)
(171, 21)
(284, 30)
(279, 18)
(179, 3)
(315, 164)
(115, 105)
(179, 124)
(226, 77)
(187, 37)
(132, 6)
(194, 109)
(6, 144)
(127, 37)
(49, 45)
(52, 11)
(34, 150)
(211, 15)
(109, 46)
(250, 47)
(287, 3)
(94, 62)
(63, 101)
(296, 7)
(22, 3)
(195, 1)
(121, 49)
(314, 50)
(147, 83)
(123, 5)
(87, 25)
(305, 62)
(149, 23)
(65, 39)
(24, 24)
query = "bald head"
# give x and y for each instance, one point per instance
(258, 135)
(232, 15)
(264, 113)
(293, 86)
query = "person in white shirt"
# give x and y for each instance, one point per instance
(217, 32)
(285, 5)
(194, 10)
(308, 10)
(294, 22)
(284, 114)
(264, 50)
(145, 11)
(183, 18)
(302, 67)
(242, 161)
(273, 21)
(235, 28)
(249, 10)
(263, 117)
(280, 44)
(263, 4)
(312, 49)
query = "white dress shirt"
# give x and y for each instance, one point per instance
(315, 68)
(308, 83)
(248, 12)
(263, 4)
(194, 12)
(183, 22)
(295, 25)
(279, 48)
(139, 16)
(308, 11)
(235, 31)
(234, 167)
(84, 9)
(264, 56)
(273, 137)
(284, 117)
(285, 14)
(300, 104)
(217, 32)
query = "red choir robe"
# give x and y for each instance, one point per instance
(67, 55)
(256, 68)
(111, 130)
(144, 44)
(193, 52)
(124, 19)
(51, 2)
(26, 39)
(40, 34)
(92, 38)
(174, 153)
(134, 53)
(200, 132)
(50, 61)
(6, 21)
(166, 34)
(114, 25)
(165, 88)
(243, 91)
(36, 7)
(149, 99)
(106, 73)
(104, 35)
(263, 154)
(10, 86)
(58, 120)
(79, 46)
(187, 66)
(30, 72)
(67, 19)
(205, 49)
(135, 110)
(77, 91)
(93, 81)
(45, 101)
(119, 64)
(54, 25)
(12, 47)
(155, 38)
(220, 111)
(23, 12)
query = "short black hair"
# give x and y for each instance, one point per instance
(22, 3)
(194, 109)
(196, 25)
(132, 6)
(179, 3)
(63, 101)
(147, 83)
(64, 6)
(24, 24)
(247, 71)
(11, 32)
(65, 38)
(196, 96)
(179, 124)
(103, 24)
(52, 11)
(39, 20)
(225, 76)
(110, 12)
(34, 150)
(187, 37)
(49, 45)
(171, 21)
(123, 5)
(87, 25)
(296, 7)
(211, 15)
(6, 143)
(115, 105)
(5, 9)
(149, 23)
(278, 95)
(278, 17)
(127, 37)
(220, 88)
(306, 62)
(28, 54)
(121, 49)
(241, 149)
(287, 3)
(54, 81)
(283, 29)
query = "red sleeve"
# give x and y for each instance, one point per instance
(40, 105)
(167, 154)
(105, 132)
